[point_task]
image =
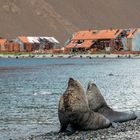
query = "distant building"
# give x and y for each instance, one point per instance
(12, 46)
(93, 39)
(36, 43)
(2, 45)
(25, 44)
(133, 39)
(47, 43)
(108, 40)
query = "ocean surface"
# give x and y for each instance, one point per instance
(30, 90)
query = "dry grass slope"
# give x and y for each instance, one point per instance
(60, 18)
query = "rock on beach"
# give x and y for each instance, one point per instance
(125, 131)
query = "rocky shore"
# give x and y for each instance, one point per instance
(90, 56)
(124, 131)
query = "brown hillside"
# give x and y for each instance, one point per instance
(60, 18)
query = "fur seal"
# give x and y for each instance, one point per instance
(74, 110)
(98, 104)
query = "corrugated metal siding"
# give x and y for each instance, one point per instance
(124, 42)
(21, 45)
(136, 42)
(16, 48)
(129, 43)
(3, 48)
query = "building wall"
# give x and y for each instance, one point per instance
(21, 44)
(10, 47)
(56, 46)
(29, 47)
(129, 44)
(124, 42)
(2, 48)
(136, 42)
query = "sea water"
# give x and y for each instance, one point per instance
(30, 90)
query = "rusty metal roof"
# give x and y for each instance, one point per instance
(132, 32)
(24, 39)
(33, 39)
(3, 41)
(85, 44)
(97, 34)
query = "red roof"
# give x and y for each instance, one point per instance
(23, 39)
(90, 35)
(71, 44)
(2, 41)
(85, 44)
(97, 34)
(132, 32)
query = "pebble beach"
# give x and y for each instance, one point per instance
(124, 131)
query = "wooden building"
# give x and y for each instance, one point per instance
(30, 43)
(2, 45)
(24, 43)
(94, 40)
(109, 40)
(133, 39)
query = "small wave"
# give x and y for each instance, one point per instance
(42, 93)
(35, 93)
(46, 93)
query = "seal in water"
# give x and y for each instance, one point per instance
(74, 110)
(98, 104)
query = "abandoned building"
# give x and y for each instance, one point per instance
(29, 44)
(109, 40)
(88, 41)
(9, 46)
(26, 44)
(47, 43)
(133, 39)
(2, 45)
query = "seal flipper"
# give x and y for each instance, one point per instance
(114, 125)
(67, 128)
(63, 127)
(70, 130)
(98, 104)
(115, 116)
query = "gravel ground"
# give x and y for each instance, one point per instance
(124, 131)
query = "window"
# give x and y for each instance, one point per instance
(80, 41)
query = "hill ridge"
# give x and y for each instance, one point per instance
(60, 18)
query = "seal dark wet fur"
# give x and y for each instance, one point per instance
(74, 110)
(98, 104)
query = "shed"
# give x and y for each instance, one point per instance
(91, 39)
(32, 43)
(2, 45)
(133, 39)
(25, 43)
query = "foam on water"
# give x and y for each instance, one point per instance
(42, 93)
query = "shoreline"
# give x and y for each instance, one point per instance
(125, 131)
(129, 130)
(89, 56)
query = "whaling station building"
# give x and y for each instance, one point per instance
(28, 44)
(110, 40)
(88, 41)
